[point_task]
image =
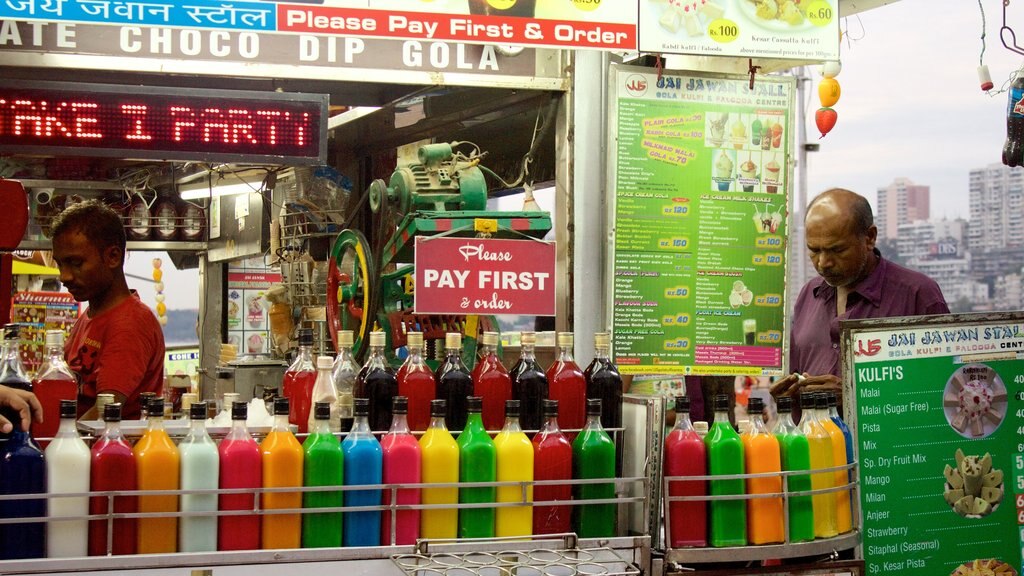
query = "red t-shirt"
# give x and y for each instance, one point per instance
(120, 350)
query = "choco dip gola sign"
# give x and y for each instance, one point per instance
(485, 276)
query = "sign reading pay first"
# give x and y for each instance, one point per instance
(485, 276)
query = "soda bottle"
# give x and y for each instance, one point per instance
(1013, 148)
(529, 384)
(568, 385)
(53, 382)
(605, 382)
(492, 383)
(416, 382)
(454, 383)
(12, 373)
(299, 380)
(376, 383)
(344, 375)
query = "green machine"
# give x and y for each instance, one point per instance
(371, 287)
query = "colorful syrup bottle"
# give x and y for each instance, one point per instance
(567, 384)
(844, 518)
(54, 382)
(363, 465)
(112, 469)
(282, 468)
(454, 384)
(377, 384)
(323, 465)
(67, 472)
(820, 447)
(477, 463)
(344, 376)
(440, 466)
(402, 465)
(725, 457)
(492, 382)
(298, 382)
(529, 384)
(22, 471)
(12, 372)
(605, 382)
(593, 456)
(515, 464)
(761, 455)
(157, 463)
(552, 460)
(796, 457)
(324, 391)
(200, 470)
(833, 414)
(241, 468)
(416, 382)
(686, 455)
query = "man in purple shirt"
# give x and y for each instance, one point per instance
(854, 282)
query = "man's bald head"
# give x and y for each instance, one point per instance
(845, 204)
(840, 234)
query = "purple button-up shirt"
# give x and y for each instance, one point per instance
(890, 290)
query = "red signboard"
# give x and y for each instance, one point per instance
(485, 276)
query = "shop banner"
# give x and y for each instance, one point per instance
(939, 417)
(485, 276)
(789, 29)
(700, 180)
(607, 25)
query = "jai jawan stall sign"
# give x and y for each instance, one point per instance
(700, 178)
(938, 409)
(484, 276)
(789, 29)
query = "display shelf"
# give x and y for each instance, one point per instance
(71, 184)
(751, 553)
(563, 561)
(140, 246)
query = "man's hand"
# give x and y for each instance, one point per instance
(794, 384)
(24, 403)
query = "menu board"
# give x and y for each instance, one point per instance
(939, 415)
(700, 177)
(247, 306)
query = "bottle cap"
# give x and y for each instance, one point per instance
(721, 403)
(550, 408)
(197, 411)
(701, 427)
(55, 338)
(68, 409)
(345, 339)
(830, 397)
(489, 339)
(438, 408)
(807, 399)
(155, 407)
(322, 411)
(400, 405)
(784, 404)
(564, 339)
(281, 406)
(512, 408)
(144, 399)
(240, 410)
(682, 404)
(324, 362)
(361, 407)
(474, 404)
(112, 412)
(820, 401)
(452, 340)
(414, 339)
(602, 340)
(593, 407)
(528, 338)
(12, 331)
(377, 339)
(755, 406)
(305, 336)
(187, 400)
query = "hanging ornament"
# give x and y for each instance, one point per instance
(161, 307)
(828, 95)
(825, 118)
(828, 92)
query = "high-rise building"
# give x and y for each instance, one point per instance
(997, 209)
(898, 203)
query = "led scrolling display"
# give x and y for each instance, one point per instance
(162, 123)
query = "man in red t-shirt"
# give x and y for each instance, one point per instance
(117, 346)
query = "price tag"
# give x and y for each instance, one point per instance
(820, 12)
(723, 30)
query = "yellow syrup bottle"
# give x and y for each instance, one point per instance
(282, 467)
(820, 444)
(440, 463)
(844, 514)
(515, 464)
(157, 468)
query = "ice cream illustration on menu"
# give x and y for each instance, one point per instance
(723, 171)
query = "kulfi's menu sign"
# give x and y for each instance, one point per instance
(789, 29)
(700, 174)
(484, 276)
(938, 408)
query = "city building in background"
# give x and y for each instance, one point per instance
(996, 199)
(900, 202)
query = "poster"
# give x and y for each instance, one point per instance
(700, 175)
(939, 417)
(38, 312)
(789, 29)
(247, 307)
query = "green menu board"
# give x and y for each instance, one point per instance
(700, 174)
(939, 416)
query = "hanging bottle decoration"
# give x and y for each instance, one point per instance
(828, 94)
(158, 276)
